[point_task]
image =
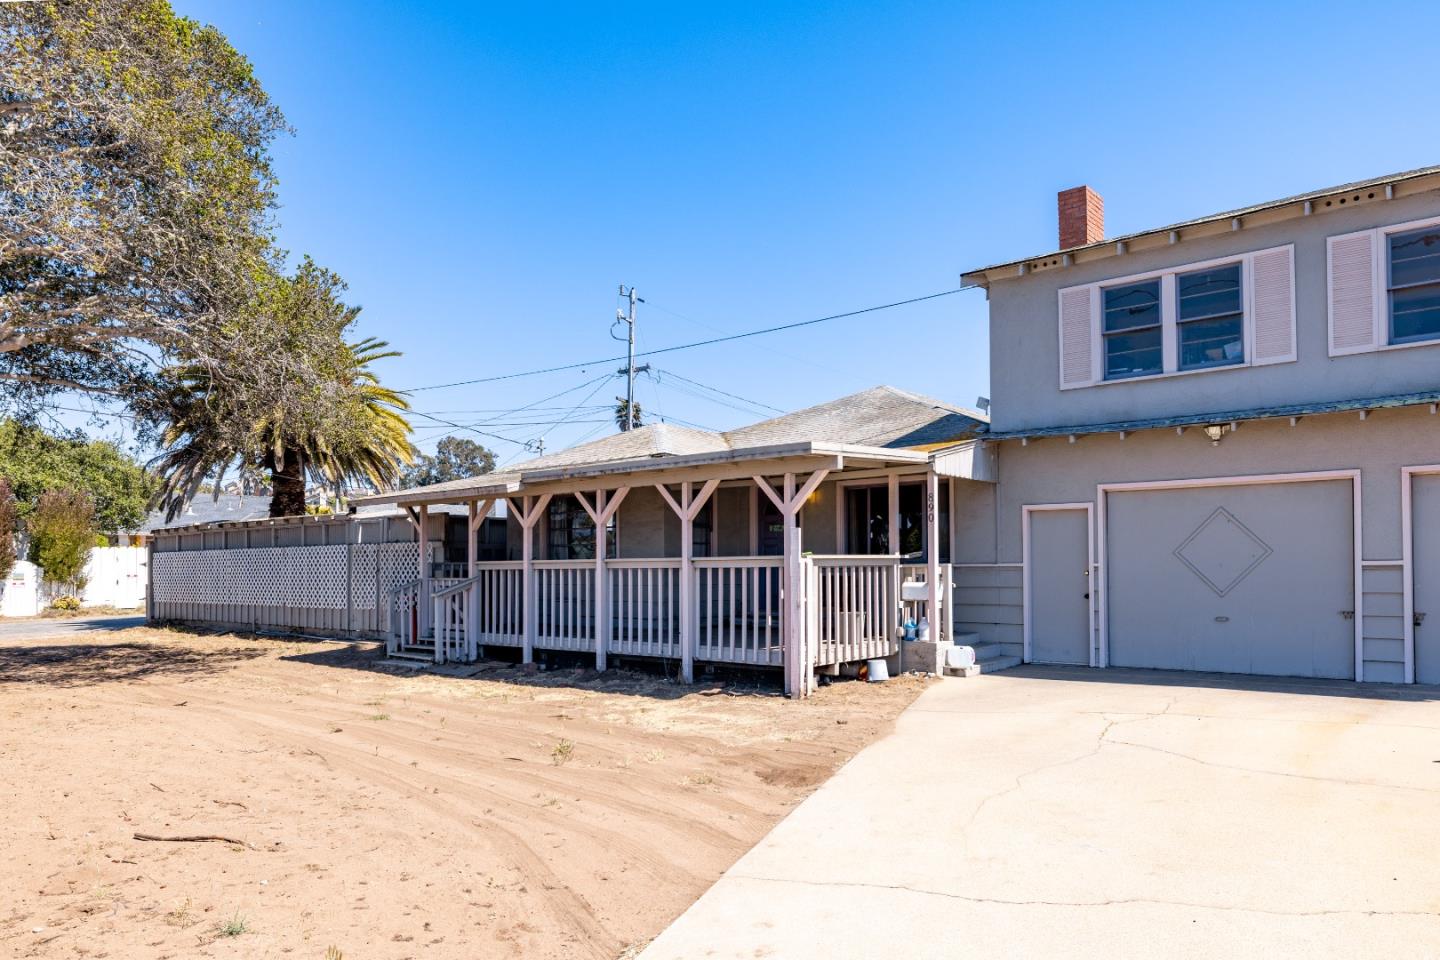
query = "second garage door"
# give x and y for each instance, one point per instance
(1235, 579)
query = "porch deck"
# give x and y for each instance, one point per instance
(850, 610)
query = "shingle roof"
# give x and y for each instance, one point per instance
(878, 417)
(206, 509)
(883, 417)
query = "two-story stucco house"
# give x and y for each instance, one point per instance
(1217, 441)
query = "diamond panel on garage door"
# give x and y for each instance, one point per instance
(1222, 551)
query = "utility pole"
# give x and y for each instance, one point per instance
(630, 369)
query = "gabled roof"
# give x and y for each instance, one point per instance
(1315, 201)
(879, 419)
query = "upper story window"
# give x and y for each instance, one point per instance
(1132, 330)
(1236, 311)
(1210, 317)
(1415, 285)
(1384, 287)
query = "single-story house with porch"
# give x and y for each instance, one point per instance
(781, 544)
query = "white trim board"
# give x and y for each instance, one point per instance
(1025, 588)
(1103, 490)
(1407, 553)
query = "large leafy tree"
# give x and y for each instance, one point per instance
(455, 458)
(34, 461)
(135, 197)
(323, 415)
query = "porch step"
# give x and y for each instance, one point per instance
(989, 658)
(415, 652)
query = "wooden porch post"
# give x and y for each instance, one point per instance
(602, 631)
(423, 601)
(529, 514)
(793, 608)
(479, 511)
(687, 588)
(932, 552)
(688, 507)
(600, 513)
(797, 638)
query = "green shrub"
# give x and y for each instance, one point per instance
(8, 515)
(66, 602)
(62, 530)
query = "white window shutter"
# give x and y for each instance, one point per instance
(1272, 304)
(1077, 336)
(1353, 293)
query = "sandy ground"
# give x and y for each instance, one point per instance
(380, 812)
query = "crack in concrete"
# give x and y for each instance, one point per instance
(1271, 773)
(1115, 902)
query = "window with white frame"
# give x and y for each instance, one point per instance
(1235, 311)
(1132, 330)
(1210, 317)
(1414, 287)
(1384, 287)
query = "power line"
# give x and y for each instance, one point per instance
(732, 396)
(689, 346)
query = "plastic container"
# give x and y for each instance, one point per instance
(960, 657)
(876, 671)
(922, 632)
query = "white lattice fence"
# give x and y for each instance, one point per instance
(333, 589)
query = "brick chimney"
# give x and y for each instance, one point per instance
(1082, 217)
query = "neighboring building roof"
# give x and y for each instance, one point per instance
(1394, 184)
(879, 419)
(1229, 416)
(207, 509)
(233, 509)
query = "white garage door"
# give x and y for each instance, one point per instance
(1235, 579)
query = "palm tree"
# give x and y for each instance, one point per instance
(622, 408)
(361, 442)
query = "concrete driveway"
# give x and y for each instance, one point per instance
(1082, 813)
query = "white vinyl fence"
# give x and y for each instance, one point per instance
(334, 589)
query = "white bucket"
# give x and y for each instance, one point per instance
(876, 670)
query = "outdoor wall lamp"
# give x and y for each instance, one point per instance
(1215, 431)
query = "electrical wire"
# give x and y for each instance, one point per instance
(689, 346)
(732, 396)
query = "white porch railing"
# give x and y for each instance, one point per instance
(565, 609)
(644, 605)
(450, 620)
(402, 616)
(500, 604)
(853, 607)
(739, 616)
(402, 612)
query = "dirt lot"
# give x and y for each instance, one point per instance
(380, 813)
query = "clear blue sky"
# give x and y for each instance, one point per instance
(486, 175)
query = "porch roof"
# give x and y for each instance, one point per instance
(882, 426)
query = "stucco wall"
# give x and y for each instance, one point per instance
(1024, 348)
(1056, 471)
